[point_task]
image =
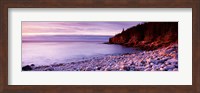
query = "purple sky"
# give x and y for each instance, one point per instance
(75, 28)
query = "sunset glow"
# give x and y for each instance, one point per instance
(74, 28)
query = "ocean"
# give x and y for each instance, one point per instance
(46, 50)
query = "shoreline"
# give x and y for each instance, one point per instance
(162, 59)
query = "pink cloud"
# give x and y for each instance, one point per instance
(74, 28)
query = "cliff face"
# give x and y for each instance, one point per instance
(148, 36)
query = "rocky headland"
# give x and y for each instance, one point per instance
(158, 42)
(148, 36)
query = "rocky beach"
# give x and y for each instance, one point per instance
(157, 42)
(165, 59)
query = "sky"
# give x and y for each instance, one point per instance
(74, 28)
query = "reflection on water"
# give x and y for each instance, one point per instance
(44, 53)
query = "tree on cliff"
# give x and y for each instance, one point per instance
(148, 36)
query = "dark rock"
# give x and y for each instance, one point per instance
(106, 43)
(26, 68)
(127, 68)
(32, 65)
(143, 62)
(49, 69)
(98, 68)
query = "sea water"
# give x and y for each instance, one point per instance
(46, 50)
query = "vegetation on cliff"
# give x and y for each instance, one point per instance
(148, 36)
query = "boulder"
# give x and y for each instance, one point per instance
(26, 68)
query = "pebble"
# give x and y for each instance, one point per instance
(170, 67)
(152, 64)
(170, 70)
(162, 65)
(147, 66)
(162, 69)
(148, 69)
(164, 59)
(175, 69)
(127, 68)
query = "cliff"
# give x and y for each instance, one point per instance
(148, 36)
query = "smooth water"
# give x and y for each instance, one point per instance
(41, 52)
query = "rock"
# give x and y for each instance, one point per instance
(170, 50)
(159, 64)
(170, 70)
(151, 64)
(161, 53)
(165, 68)
(127, 68)
(167, 63)
(153, 70)
(132, 68)
(170, 67)
(148, 69)
(140, 64)
(32, 65)
(155, 61)
(176, 65)
(107, 69)
(143, 62)
(162, 60)
(49, 69)
(148, 36)
(26, 68)
(147, 66)
(88, 69)
(172, 61)
(175, 69)
(163, 65)
(148, 60)
(162, 69)
(98, 68)
(155, 67)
